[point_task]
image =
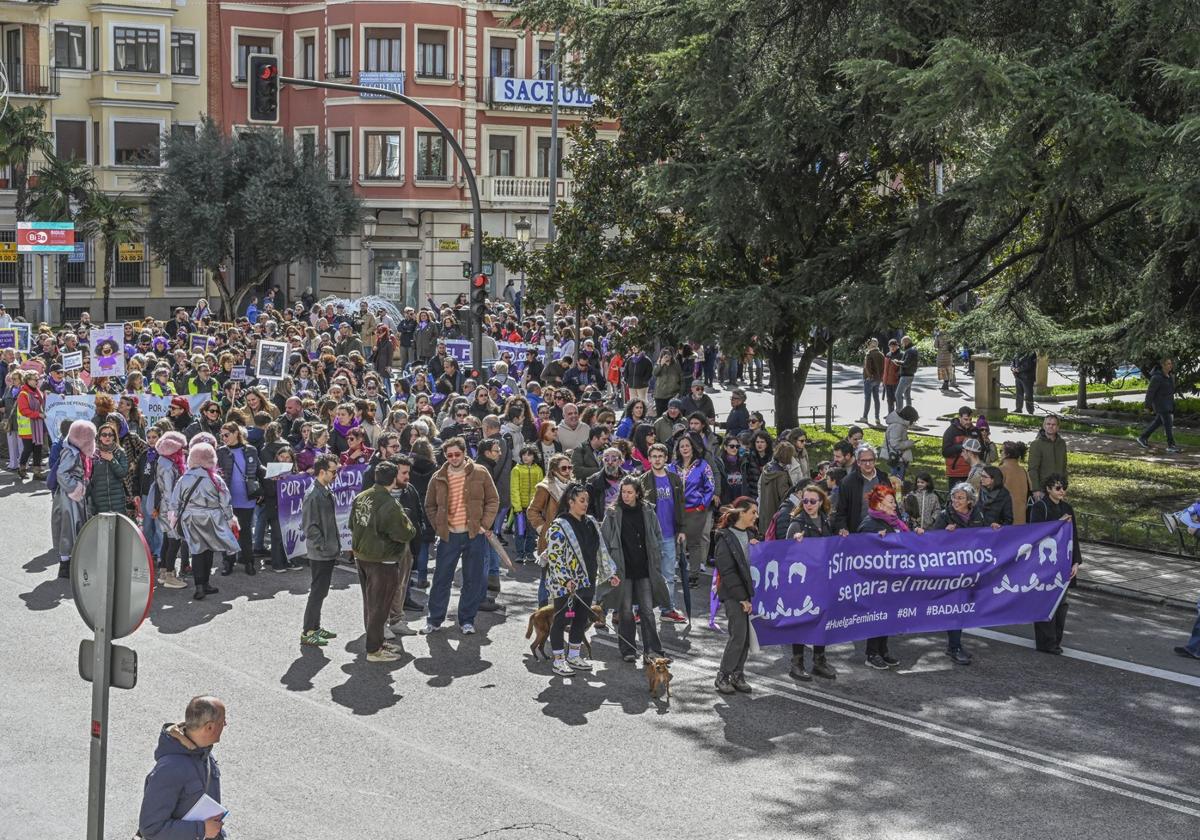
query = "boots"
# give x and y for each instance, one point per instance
(823, 669)
(493, 583)
(64, 568)
(199, 594)
(798, 672)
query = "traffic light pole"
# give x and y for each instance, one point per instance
(472, 186)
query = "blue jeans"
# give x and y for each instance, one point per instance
(1167, 421)
(1193, 644)
(527, 542)
(670, 566)
(421, 562)
(260, 528)
(474, 578)
(904, 391)
(870, 390)
(151, 529)
(954, 640)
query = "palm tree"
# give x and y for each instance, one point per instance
(64, 186)
(22, 134)
(113, 220)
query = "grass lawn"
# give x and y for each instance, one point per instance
(1112, 494)
(1070, 389)
(1116, 429)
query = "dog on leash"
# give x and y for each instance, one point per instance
(658, 675)
(540, 622)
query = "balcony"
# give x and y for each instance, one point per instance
(533, 191)
(35, 81)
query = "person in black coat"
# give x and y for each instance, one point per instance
(811, 519)
(1048, 635)
(961, 511)
(882, 517)
(995, 502)
(853, 490)
(735, 589)
(1160, 398)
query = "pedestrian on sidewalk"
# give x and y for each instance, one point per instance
(184, 772)
(873, 363)
(323, 544)
(380, 533)
(735, 589)
(907, 363)
(1047, 455)
(1024, 371)
(1160, 398)
(944, 349)
(891, 373)
(1053, 505)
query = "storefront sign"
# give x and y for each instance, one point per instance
(538, 92)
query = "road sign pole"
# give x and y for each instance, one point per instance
(101, 677)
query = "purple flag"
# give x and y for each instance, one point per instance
(290, 490)
(839, 589)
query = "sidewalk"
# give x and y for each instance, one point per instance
(1143, 576)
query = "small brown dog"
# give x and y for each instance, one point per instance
(541, 620)
(658, 675)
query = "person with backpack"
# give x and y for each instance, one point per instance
(897, 448)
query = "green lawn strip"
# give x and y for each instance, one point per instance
(1070, 388)
(1112, 429)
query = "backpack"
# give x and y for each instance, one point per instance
(52, 466)
(784, 512)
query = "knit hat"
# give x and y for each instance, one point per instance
(82, 435)
(181, 402)
(170, 443)
(206, 438)
(675, 403)
(981, 422)
(202, 455)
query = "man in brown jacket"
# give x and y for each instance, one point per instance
(462, 504)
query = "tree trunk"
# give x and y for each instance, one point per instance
(1081, 394)
(227, 301)
(110, 265)
(789, 381)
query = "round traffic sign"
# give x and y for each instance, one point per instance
(131, 564)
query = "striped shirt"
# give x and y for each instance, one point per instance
(456, 500)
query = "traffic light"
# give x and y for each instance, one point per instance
(479, 296)
(262, 95)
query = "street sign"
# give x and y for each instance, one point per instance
(112, 578)
(131, 252)
(46, 237)
(133, 571)
(449, 245)
(489, 268)
(8, 252)
(123, 673)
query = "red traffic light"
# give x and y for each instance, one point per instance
(479, 281)
(267, 72)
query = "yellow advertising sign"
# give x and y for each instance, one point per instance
(129, 252)
(8, 252)
(448, 245)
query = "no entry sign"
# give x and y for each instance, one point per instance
(46, 237)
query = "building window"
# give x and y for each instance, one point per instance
(96, 143)
(130, 313)
(179, 273)
(183, 54)
(431, 156)
(543, 157)
(135, 50)
(431, 53)
(69, 47)
(383, 51)
(341, 53)
(8, 262)
(131, 271)
(96, 48)
(135, 144)
(306, 144)
(504, 57)
(502, 152)
(249, 45)
(341, 155)
(308, 57)
(183, 130)
(77, 269)
(70, 139)
(545, 60)
(383, 155)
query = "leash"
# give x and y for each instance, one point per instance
(616, 632)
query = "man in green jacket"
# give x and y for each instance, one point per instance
(380, 532)
(1047, 455)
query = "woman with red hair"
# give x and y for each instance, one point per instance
(735, 588)
(883, 517)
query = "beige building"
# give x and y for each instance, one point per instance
(113, 78)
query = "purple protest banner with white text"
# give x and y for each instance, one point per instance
(290, 491)
(840, 589)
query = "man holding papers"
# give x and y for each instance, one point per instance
(182, 798)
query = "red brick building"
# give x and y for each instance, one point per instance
(486, 81)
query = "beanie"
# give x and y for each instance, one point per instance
(82, 436)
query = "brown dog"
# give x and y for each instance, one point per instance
(541, 620)
(658, 675)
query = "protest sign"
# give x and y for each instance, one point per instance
(108, 350)
(24, 336)
(238, 373)
(460, 349)
(156, 408)
(271, 359)
(8, 338)
(72, 361)
(290, 492)
(839, 589)
(60, 408)
(198, 343)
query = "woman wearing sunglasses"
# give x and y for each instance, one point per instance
(544, 508)
(1053, 504)
(811, 518)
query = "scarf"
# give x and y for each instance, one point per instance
(890, 518)
(87, 466)
(179, 460)
(342, 430)
(556, 486)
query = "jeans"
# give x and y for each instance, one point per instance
(580, 603)
(637, 591)
(670, 565)
(877, 645)
(151, 529)
(889, 391)
(1025, 392)
(474, 580)
(260, 528)
(14, 449)
(1167, 421)
(29, 448)
(1193, 644)
(322, 574)
(527, 541)
(421, 562)
(870, 392)
(904, 391)
(954, 640)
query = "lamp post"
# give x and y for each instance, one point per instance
(370, 224)
(522, 226)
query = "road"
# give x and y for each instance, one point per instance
(467, 737)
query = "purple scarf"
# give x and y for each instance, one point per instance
(342, 430)
(890, 518)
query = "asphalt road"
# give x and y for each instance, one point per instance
(467, 737)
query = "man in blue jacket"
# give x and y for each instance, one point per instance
(1160, 398)
(184, 771)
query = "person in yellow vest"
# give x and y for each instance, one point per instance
(204, 382)
(161, 385)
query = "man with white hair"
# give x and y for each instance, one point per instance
(184, 772)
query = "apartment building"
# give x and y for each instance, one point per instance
(114, 78)
(485, 80)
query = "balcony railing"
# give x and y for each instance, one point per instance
(31, 80)
(525, 190)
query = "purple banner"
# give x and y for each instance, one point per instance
(839, 589)
(290, 492)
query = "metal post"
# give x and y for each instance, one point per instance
(829, 387)
(552, 167)
(101, 677)
(472, 186)
(45, 288)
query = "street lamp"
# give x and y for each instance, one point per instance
(522, 226)
(370, 223)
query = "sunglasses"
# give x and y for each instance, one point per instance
(810, 501)
(1058, 487)
(564, 469)
(731, 446)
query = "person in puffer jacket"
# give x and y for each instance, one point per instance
(106, 490)
(72, 477)
(184, 771)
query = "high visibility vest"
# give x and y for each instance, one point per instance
(24, 425)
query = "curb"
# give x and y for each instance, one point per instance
(1135, 595)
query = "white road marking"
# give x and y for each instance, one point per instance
(1094, 658)
(1053, 766)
